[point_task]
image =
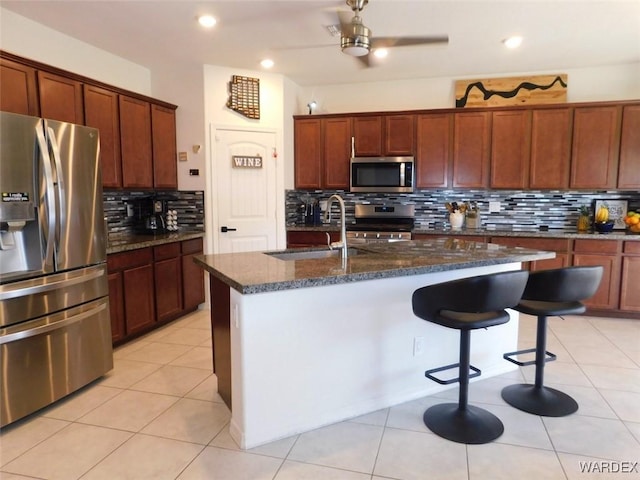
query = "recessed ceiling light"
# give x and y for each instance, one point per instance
(206, 21)
(267, 63)
(381, 52)
(512, 42)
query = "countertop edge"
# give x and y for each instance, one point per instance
(552, 234)
(135, 242)
(525, 255)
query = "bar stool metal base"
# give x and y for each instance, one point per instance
(544, 401)
(472, 425)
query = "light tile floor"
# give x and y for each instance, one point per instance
(157, 415)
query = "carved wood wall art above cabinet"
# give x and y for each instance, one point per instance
(33, 88)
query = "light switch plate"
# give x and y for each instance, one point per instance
(494, 207)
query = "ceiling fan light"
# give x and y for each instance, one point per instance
(381, 52)
(355, 50)
(207, 21)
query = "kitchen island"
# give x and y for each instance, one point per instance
(302, 339)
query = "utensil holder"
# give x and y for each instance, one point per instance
(457, 220)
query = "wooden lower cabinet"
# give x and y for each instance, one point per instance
(168, 281)
(131, 291)
(310, 239)
(560, 246)
(192, 275)
(116, 306)
(151, 286)
(630, 282)
(607, 254)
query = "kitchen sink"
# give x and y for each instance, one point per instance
(311, 254)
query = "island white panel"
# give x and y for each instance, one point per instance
(305, 358)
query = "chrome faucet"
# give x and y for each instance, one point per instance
(343, 225)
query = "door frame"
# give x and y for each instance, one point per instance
(212, 219)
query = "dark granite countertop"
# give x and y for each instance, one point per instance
(125, 243)
(490, 232)
(257, 272)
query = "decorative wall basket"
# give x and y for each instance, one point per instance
(497, 92)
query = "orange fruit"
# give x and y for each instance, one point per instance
(634, 220)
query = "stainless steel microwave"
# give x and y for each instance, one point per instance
(382, 174)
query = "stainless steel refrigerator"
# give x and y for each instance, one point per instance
(55, 331)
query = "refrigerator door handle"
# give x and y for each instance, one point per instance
(59, 183)
(50, 200)
(47, 327)
(47, 287)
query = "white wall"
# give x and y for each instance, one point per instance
(616, 82)
(216, 115)
(26, 38)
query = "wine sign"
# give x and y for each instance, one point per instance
(243, 161)
(498, 92)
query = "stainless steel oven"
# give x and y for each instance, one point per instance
(381, 223)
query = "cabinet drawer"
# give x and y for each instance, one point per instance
(632, 247)
(546, 244)
(596, 246)
(125, 260)
(192, 246)
(168, 250)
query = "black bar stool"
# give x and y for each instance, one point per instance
(549, 293)
(467, 304)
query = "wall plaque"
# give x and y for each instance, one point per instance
(497, 92)
(243, 161)
(244, 96)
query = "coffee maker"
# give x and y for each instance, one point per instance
(151, 215)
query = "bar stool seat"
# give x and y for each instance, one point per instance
(549, 293)
(465, 305)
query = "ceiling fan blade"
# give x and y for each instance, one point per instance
(388, 42)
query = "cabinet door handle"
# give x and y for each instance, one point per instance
(226, 229)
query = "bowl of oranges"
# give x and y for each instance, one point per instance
(632, 221)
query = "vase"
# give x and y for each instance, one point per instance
(457, 220)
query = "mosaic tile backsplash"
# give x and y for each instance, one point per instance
(518, 209)
(188, 205)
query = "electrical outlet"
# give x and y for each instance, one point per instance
(129, 210)
(418, 346)
(494, 207)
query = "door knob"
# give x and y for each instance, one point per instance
(226, 229)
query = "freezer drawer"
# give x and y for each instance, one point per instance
(47, 358)
(29, 299)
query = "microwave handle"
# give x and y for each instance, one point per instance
(353, 147)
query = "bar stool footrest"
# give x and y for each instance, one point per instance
(477, 373)
(471, 425)
(549, 357)
(544, 401)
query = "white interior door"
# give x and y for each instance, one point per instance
(245, 171)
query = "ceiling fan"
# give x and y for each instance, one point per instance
(356, 39)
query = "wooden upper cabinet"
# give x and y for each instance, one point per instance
(629, 168)
(471, 149)
(367, 132)
(101, 112)
(18, 91)
(308, 153)
(163, 133)
(135, 137)
(399, 135)
(336, 135)
(596, 139)
(510, 149)
(550, 148)
(60, 98)
(433, 150)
